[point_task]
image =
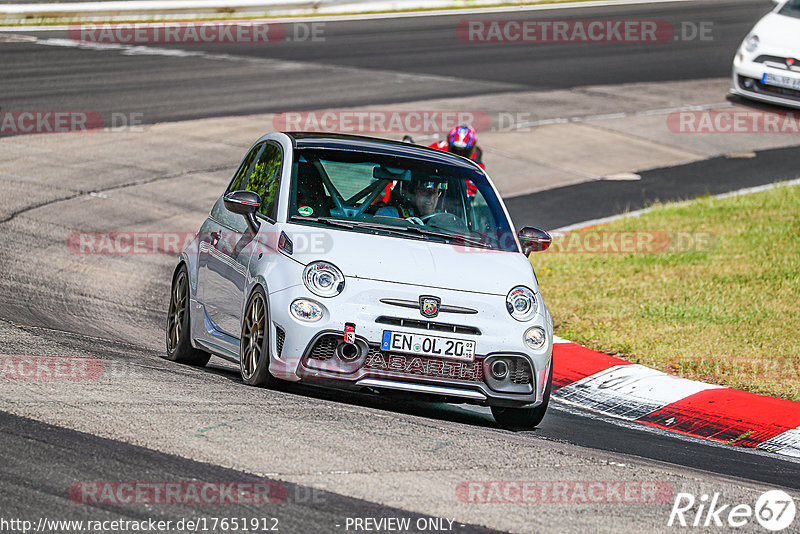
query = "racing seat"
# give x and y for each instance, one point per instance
(311, 190)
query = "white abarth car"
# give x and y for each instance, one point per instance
(767, 65)
(368, 264)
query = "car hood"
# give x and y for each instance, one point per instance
(777, 35)
(412, 261)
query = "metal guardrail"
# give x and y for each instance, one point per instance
(105, 9)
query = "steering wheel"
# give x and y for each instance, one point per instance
(450, 221)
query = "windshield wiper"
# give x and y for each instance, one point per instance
(445, 235)
(418, 230)
(424, 232)
(385, 227)
(351, 225)
(323, 220)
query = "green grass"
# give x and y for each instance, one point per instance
(726, 310)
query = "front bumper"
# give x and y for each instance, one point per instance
(308, 351)
(746, 82)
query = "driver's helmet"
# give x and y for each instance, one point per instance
(461, 140)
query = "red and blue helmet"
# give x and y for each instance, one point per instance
(461, 140)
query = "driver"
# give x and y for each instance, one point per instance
(421, 200)
(424, 197)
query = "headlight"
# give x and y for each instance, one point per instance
(306, 310)
(751, 43)
(323, 279)
(521, 303)
(535, 338)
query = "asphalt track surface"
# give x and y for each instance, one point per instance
(367, 62)
(41, 460)
(31, 486)
(565, 206)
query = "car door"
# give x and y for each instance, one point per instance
(230, 256)
(220, 274)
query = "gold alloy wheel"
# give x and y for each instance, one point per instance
(253, 336)
(177, 309)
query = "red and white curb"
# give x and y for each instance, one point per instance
(618, 388)
(633, 392)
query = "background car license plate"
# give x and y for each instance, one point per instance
(781, 81)
(427, 345)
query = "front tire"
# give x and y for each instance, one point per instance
(254, 342)
(526, 418)
(179, 343)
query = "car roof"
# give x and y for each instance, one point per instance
(378, 146)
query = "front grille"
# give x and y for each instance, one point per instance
(757, 87)
(428, 325)
(777, 62)
(764, 58)
(379, 361)
(280, 337)
(325, 347)
(409, 364)
(794, 94)
(519, 371)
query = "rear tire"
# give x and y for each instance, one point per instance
(254, 341)
(179, 343)
(526, 418)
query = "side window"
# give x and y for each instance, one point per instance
(240, 178)
(266, 180)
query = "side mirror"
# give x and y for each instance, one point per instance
(244, 203)
(534, 240)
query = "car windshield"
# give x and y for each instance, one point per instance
(397, 196)
(791, 9)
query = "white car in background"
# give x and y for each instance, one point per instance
(767, 64)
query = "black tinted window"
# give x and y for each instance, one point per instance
(240, 178)
(791, 9)
(266, 179)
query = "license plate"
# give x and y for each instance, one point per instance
(428, 345)
(781, 81)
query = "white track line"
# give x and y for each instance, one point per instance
(629, 391)
(637, 213)
(276, 64)
(621, 115)
(787, 443)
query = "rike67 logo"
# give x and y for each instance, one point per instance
(774, 510)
